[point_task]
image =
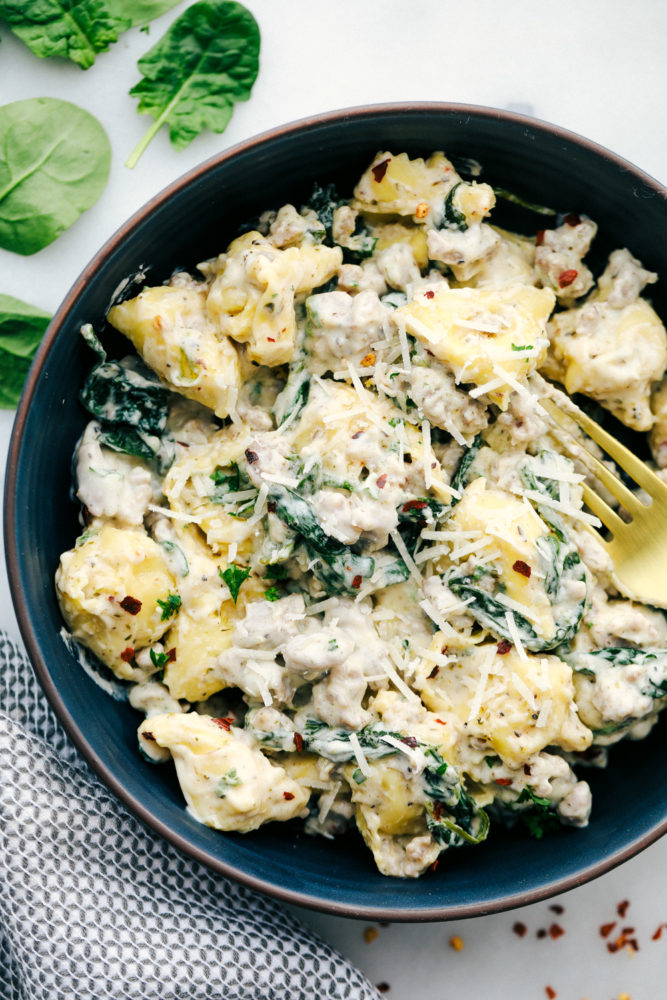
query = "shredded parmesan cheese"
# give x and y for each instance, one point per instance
(359, 755)
(406, 557)
(515, 634)
(187, 518)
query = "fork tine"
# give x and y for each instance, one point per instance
(634, 466)
(617, 488)
(602, 510)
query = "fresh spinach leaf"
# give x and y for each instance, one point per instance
(73, 29)
(207, 60)
(76, 29)
(140, 12)
(54, 164)
(22, 327)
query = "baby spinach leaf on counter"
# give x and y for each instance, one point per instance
(234, 576)
(139, 12)
(22, 327)
(54, 164)
(73, 29)
(207, 60)
(76, 29)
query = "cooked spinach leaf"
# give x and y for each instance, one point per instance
(54, 164)
(22, 327)
(339, 570)
(207, 60)
(452, 217)
(294, 396)
(647, 673)
(464, 473)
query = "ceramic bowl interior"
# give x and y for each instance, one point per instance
(192, 220)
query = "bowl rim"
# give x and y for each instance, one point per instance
(400, 914)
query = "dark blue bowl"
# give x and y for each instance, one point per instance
(193, 219)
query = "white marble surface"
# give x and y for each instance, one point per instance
(597, 68)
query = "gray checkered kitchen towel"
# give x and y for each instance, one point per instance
(94, 906)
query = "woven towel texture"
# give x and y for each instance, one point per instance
(93, 905)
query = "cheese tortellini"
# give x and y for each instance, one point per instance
(334, 547)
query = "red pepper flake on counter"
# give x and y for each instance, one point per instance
(566, 278)
(131, 605)
(657, 934)
(370, 934)
(456, 942)
(519, 929)
(622, 908)
(550, 992)
(557, 908)
(541, 933)
(556, 931)
(606, 929)
(522, 567)
(383, 987)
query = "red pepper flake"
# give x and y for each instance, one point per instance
(410, 741)
(271, 340)
(382, 481)
(556, 907)
(658, 933)
(131, 605)
(414, 505)
(370, 934)
(556, 931)
(429, 294)
(606, 929)
(622, 908)
(503, 781)
(565, 278)
(288, 796)
(251, 456)
(271, 506)
(441, 721)
(628, 930)
(572, 219)
(539, 238)
(127, 655)
(380, 169)
(383, 987)
(522, 567)
(437, 809)
(384, 923)
(422, 210)
(298, 742)
(225, 723)
(171, 655)
(435, 864)
(434, 673)
(456, 942)
(519, 929)
(550, 992)
(541, 933)
(356, 583)
(503, 647)
(148, 736)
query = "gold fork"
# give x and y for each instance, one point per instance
(638, 548)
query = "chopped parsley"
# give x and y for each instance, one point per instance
(359, 776)
(522, 347)
(159, 660)
(272, 594)
(229, 780)
(169, 606)
(493, 760)
(234, 576)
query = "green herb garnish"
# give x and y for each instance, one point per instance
(272, 594)
(169, 606)
(234, 576)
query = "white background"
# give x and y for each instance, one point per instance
(595, 67)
